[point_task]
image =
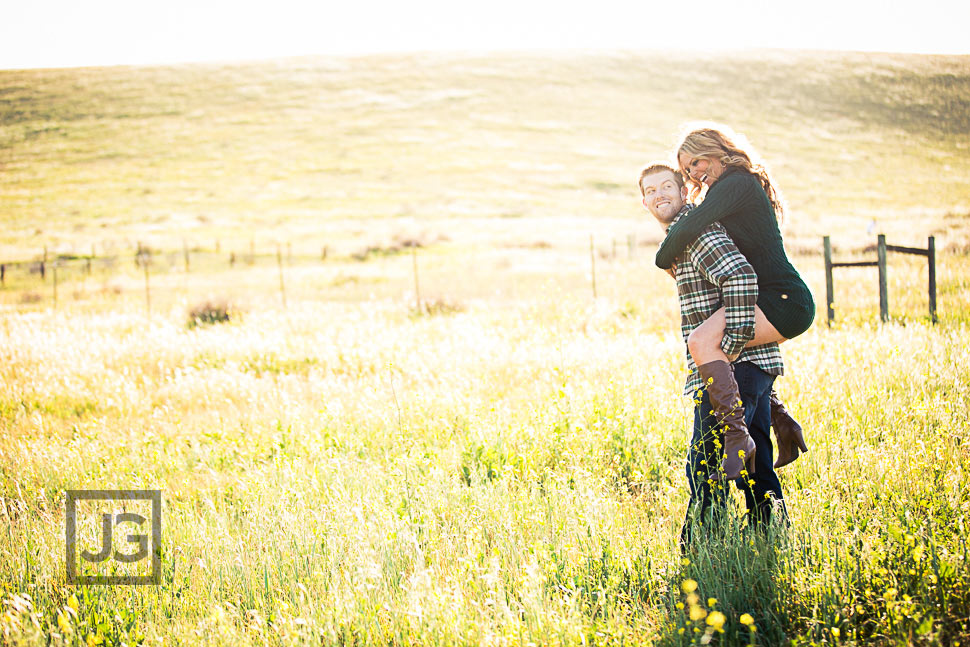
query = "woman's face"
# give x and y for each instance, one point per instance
(700, 169)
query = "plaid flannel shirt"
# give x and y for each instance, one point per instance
(713, 273)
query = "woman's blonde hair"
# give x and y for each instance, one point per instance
(719, 143)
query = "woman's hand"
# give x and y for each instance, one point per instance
(673, 270)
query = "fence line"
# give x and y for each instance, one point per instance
(143, 259)
(882, 249)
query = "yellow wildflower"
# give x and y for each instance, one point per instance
(697, 613)
(746, 619)
(716, 619)
(689, 586)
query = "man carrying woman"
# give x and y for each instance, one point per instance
(740, 297)
(712, 275)
(741, 196)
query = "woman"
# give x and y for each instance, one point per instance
(741, 196)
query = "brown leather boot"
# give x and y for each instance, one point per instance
(722, 389)
(788, 433)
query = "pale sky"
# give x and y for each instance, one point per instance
(63, 33)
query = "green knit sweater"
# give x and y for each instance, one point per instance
(739, 202)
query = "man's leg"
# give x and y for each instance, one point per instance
(764, 493)
(707, 497)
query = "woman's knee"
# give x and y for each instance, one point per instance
(700, 340)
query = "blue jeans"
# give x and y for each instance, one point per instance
(707, 500)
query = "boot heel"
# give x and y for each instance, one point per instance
(788, 433)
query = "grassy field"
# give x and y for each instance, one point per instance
(503, 464)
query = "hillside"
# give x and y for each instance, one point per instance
(484, 148)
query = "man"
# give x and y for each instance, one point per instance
(712, 274)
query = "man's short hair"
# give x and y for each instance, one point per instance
(656, 167)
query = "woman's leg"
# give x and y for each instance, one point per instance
(704, 344)
(788, 433)
(725, 399)
(715, 369)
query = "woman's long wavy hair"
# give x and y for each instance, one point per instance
(719, 143)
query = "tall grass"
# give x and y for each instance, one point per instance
(511, 472)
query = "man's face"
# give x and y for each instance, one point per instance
(662, 196)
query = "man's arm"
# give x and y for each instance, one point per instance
(718, 260)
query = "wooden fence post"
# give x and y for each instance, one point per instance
(3, 275)
(54, 278)
(829, 285)
(931, 256)
(185, 254)
(883, 285)
(43, 265)
(279, 262)
(417, 292)
(145, 260)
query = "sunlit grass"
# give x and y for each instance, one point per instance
(353, 471)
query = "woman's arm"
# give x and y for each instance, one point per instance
(723, 199)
